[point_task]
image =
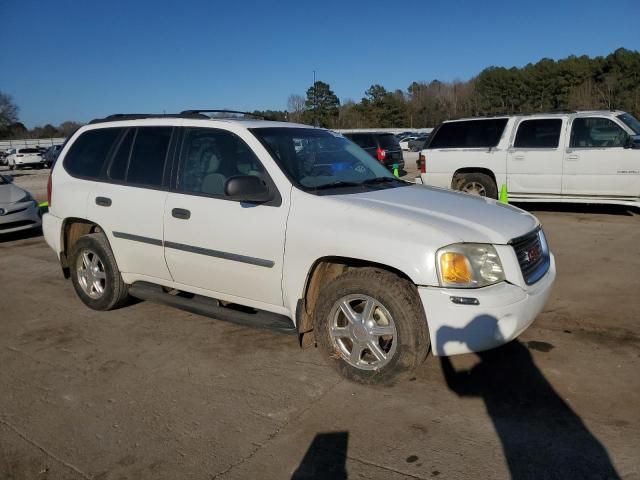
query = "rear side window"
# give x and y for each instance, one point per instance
(28, 150)
(362, 139)
(148, 156)
(388, 142)
(88, 153)
(118, 169)
(469, 134)
(542, 133)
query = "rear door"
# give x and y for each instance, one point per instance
(128, 202)
(216, 244)
(534, 160)
(596, 162)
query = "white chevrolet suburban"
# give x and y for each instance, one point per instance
(581, 157)
(293, 228)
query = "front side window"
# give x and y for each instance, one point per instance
(539, 133)
(209, 157)
(88, 153)
(596, 133)
(469, 134)
(328, 160)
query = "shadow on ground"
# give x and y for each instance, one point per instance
(325, 459)
(541, 436)
(20, 235)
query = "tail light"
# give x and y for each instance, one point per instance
(49, 191)
(423, 163)
(381, 154)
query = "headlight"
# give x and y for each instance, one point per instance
(27, 197)
(469, 265)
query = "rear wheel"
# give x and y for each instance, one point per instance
(95, 275)
(372, 326)
(476, 184)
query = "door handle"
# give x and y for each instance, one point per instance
(181, 213)
(103, 201)
(572, 157)
(518, 157)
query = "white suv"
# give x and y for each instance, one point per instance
(25, 157)
(231, 218)
(582, 157)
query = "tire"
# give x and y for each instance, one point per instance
(476, 184)
(396, 306)
(115, 293)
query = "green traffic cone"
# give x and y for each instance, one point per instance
(504, 196)
(395, 170)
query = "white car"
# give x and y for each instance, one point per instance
(582, 157)
(18, 209)
(293, 228)
(404, 143)
(25, 157)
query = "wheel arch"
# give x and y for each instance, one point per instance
(322, 271)
(72, 229)
(461, 171)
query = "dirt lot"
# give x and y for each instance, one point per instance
(152, 392)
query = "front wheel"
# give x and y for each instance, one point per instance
(372, 326)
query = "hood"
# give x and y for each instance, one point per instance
(9, 193)
(458, 216)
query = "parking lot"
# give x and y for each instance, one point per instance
(149, 391)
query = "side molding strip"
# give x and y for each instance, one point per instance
(260, 262)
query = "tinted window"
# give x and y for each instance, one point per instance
(362, 139)
(148, 156)
(469, 133)
(210, 157)
(388, 142)
(543, 133)
(118, 169)
(596, 133)
(88, 153)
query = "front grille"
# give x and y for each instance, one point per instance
(10, 225)
(533, 255)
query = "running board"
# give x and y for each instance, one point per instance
(210, 307)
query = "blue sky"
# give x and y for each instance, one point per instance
(76, 60)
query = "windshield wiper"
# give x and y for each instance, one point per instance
(380, 180)
(337, 185)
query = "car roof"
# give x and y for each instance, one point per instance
(558, 114)
(174, 120)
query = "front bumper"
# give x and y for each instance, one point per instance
(503, 312)
(19, 216)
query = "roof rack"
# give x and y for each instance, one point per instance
(199, 114)
(222, 112)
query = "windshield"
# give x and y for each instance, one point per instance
(314, 158)
(631, 122)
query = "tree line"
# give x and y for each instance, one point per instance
(580, 83)
(573, 83)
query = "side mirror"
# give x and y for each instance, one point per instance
(247, 188)
(633, 142)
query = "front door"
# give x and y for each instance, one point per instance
(216, 244)
(596, 162)
(534, 161)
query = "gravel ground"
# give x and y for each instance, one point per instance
(152, 392)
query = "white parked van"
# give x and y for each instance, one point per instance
(293, 228)
(585, 157)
